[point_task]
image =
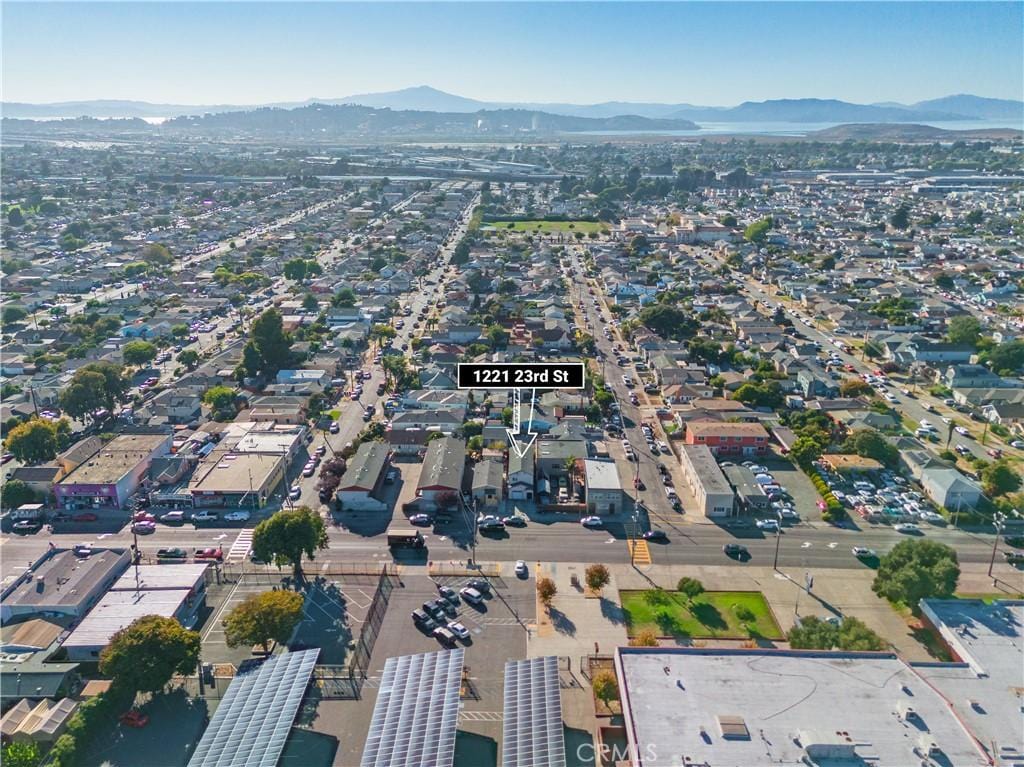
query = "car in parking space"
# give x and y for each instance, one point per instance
(173, 517)
(334, 428)
(205, 516)
(521, 569)
(237, 516)
(736, 550)
(27, 526)
(449, 594)
(655, 535)
(423, 620)
(592, 522)
(309, 469)
(420, 519)
(434, 608)
(515, 521)
(471, 595)
(444, 636)
(480, 584)
(459, 630)
(1017, 444)
(145, 527)
(294, 492)
(768, 524)
(209, 554)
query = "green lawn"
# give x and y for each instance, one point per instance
(548, 227)
(712, 614)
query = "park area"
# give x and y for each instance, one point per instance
(711, 614)
(549, 227)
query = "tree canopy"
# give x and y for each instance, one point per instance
(144, 655)
(94, 386)
(668, 321)
(138, 352)
(269, 347)
(871, 443)
(758, 231)
(917, 569)
(37, 439)
(288, 535)
(965, 329)
(999, 479)
(264, 618)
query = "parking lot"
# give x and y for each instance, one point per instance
(334, 610)
(497, 632)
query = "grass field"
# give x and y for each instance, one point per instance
(548, 227)
(713, 614)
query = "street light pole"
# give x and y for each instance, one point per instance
(778, 540)
(998, 518)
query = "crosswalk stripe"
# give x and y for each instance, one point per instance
(640, 551)
(240, 548)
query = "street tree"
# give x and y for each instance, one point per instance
(691, 588)
(144, 655)
(854, 635)
(15, 493)
(269, 347)
(138, 352)
(597, 577)
(189, 358)
(264, 618)
(95, 386)
(917, 569)
(546, 590)
(20, 755)
(288, 535)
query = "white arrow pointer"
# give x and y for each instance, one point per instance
(517, 420)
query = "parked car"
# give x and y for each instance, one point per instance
(205, 516)
(459, 630)
(210, 554)
(521, 569)
(134, 718)
(87, 516)
(480, 584)
(444, 636)
(471, 595)
(27, 526)
(173, 517)
(420, 519)
(448, 593)
(82, 549)
(592, 522)
(423, 620)
(515, 521)
(768, 524)
(172, 554)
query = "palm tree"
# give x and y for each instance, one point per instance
(570, 469)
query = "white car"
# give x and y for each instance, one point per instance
(906, 527)
(768, 524)
(962, 431)
(521, 568)
(862, 551)
(471, 595)
(295, 492)
(592, 521)
(459, 630)
(237, 516)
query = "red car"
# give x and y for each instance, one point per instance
(134, 718)
(212, 554)
(143, 516)
(85, 517)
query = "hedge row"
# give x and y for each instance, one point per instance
(834, 510)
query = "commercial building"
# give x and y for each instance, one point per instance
(62, 583)
(443, 469)
(706, 481)
(725, 707)
(177, 592)
(107, 479)
(749, 495)
(947, 487)
(727, 437)
(361, 487)
(603, 487)
(235, 480)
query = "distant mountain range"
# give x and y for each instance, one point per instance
(426, 99)
(333, 121)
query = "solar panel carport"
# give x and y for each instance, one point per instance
(533, 732)
(253, 721)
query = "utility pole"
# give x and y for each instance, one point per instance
(778, 540)
(998, 519)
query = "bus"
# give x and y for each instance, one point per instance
(404, 536)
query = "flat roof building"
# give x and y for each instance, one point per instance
(108, 478)
(62, 583)
(603, 487)
(706, 481)
(722, 708)
(176, 592)
(236, 480)
(748, 492)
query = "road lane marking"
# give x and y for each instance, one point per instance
(805, 545)
(639, 551)
(240, 548)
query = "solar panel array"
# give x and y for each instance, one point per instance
(252, 722)
(417, 711)
(533, 714)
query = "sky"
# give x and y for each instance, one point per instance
(707, 53)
